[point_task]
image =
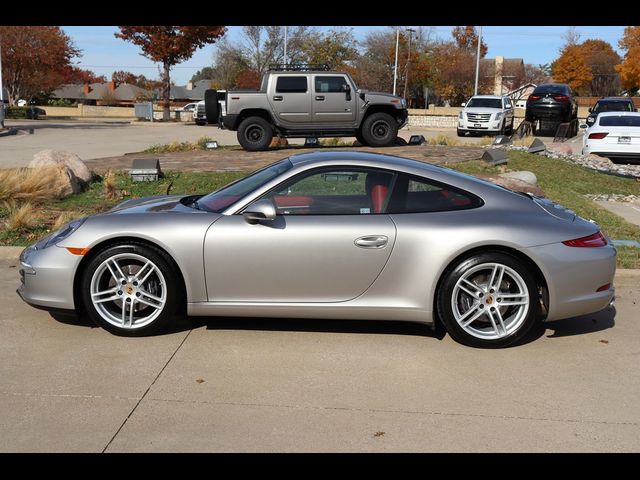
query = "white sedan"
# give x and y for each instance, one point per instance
(615, 135)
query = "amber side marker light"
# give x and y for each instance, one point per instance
(604, 288)
(78, 251)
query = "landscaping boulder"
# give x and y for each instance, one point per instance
(524, 175)
(562, 149)
(277, 142)
(78, 168)
(513, 184)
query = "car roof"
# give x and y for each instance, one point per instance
(615, 99)
(488, 96)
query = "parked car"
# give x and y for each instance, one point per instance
(189, 107)
(486, 114)
(553, 102)
(342, 235)
(615, 135)
(298, 101)
(610, 104)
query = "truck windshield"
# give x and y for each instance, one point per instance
(613, 107)
(220, 199)
(485, 102)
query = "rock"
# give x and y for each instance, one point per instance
(562, 149)
(356, 143)
(513, 184)
(277, 142)
(70, 160)
(524, 175)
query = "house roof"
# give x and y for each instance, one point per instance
(124, 92)
(178, 92)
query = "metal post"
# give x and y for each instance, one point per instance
(395, 68)
(285, 45)
(1, 90)
(475, 90)
(406, 77)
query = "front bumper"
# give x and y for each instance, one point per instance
(469, 126)
(573, 277)
(46, 277)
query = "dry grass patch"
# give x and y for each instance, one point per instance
(19, 217)
(109, 182)
(33, 185)
(443, 140)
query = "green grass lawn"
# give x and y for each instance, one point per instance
(562, 182)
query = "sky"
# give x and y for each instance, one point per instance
(103, 53)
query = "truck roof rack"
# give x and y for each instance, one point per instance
(298, 67)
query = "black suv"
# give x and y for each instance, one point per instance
(610, 104)
(553, 102)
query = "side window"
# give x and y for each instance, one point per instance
(412, 194)
(288, 84)
(345, 191)
(330, 84)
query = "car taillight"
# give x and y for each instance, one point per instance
(534, 97)
(595, 240)
(598, 135)
(561, 98)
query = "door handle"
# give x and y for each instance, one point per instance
(371, 241)
(320, 98)
(277, 98)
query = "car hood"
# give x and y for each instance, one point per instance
(482, 110)
(157, 204)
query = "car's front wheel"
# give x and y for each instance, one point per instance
(488, 300)
(131, 289)
(379, 129)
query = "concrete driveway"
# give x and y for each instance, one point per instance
(273, 385)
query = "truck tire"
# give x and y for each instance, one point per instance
(379, 129)
(255, 134)
(211, 105)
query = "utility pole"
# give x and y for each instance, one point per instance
(406, 77)
(285, 45)
(395, 68)
(475, 90)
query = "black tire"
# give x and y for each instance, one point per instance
(379, 130)
(511, 127)
(174, 298)
(503, 128)
(460, 132)
(255, 134)
(360, 138)
(520, 327)
(200, 123)
(211, 106)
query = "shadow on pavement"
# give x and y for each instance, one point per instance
(594, 322)
(365, 327)
(72, 319)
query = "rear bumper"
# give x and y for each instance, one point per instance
(573, 277)
(230, 121)
(548, 112)
(611, 151)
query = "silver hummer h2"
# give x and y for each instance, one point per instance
(298, 101)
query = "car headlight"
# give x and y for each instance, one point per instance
(403, 102)
(63, 232)
(498, 115)
(461, 116)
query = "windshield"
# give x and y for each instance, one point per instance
(620, 121)
(485, 102)
(220, 199)
(613, 107)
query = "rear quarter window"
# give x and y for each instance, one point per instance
(291, 84)
(620, 121)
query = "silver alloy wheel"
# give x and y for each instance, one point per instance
(128, 290)
(490, 301)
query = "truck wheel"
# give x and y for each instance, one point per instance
(460, 132)
(255, 133)
(379, 129)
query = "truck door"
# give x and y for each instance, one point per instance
(333, 101)
(290, 98)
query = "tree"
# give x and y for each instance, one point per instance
(248, 79)
(629, 69)
(572, 68)
(72, 74)
(35, 60)
(467, 39)
(602, 60)
(121, 76)
(169, 45)
(337, 48)
(536, 73)
(207, 73)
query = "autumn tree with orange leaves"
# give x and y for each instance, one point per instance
(629, 69)
(572, 68)
(35, 60)
(169, 45)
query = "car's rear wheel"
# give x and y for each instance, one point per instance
(488, 300)
(131, 289)
(379, 129)
(255, 134)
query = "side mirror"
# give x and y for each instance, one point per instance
(346, 88)
(590, 109)
(463, 104)
(260, 211)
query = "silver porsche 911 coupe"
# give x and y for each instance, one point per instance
(340, 235)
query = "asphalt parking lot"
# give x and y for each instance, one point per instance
(223, 384)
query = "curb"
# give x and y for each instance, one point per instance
(10, 253)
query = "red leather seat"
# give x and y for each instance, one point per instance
(378, 196)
